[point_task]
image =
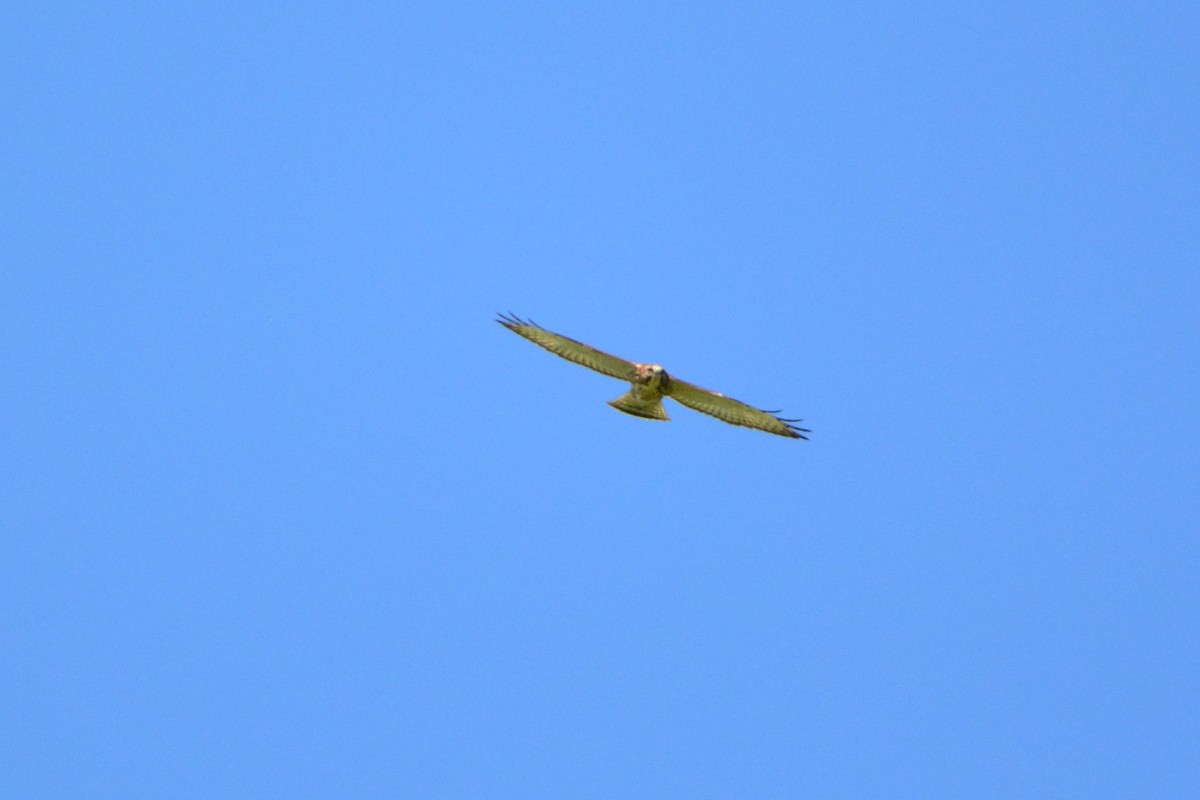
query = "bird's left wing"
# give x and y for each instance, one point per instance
(735, 412)
(571, 350)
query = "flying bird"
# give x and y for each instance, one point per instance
(650, 383)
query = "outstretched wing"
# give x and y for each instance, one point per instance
(732, 411)
(571, 350)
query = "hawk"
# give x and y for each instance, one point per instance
(650, 383)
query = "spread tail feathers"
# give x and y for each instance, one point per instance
(648, 409)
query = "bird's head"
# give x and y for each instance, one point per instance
(651, 373)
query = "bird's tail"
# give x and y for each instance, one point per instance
(647, 409)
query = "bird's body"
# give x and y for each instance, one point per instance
(647, 389)
(650, 383)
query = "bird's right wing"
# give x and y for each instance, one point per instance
(582, 354)
(735, 412)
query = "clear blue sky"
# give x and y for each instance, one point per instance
(285, 514)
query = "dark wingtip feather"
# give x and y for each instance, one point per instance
(798, 433)
(793, 431)
(511, 320)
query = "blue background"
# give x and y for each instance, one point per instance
(286, 514)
